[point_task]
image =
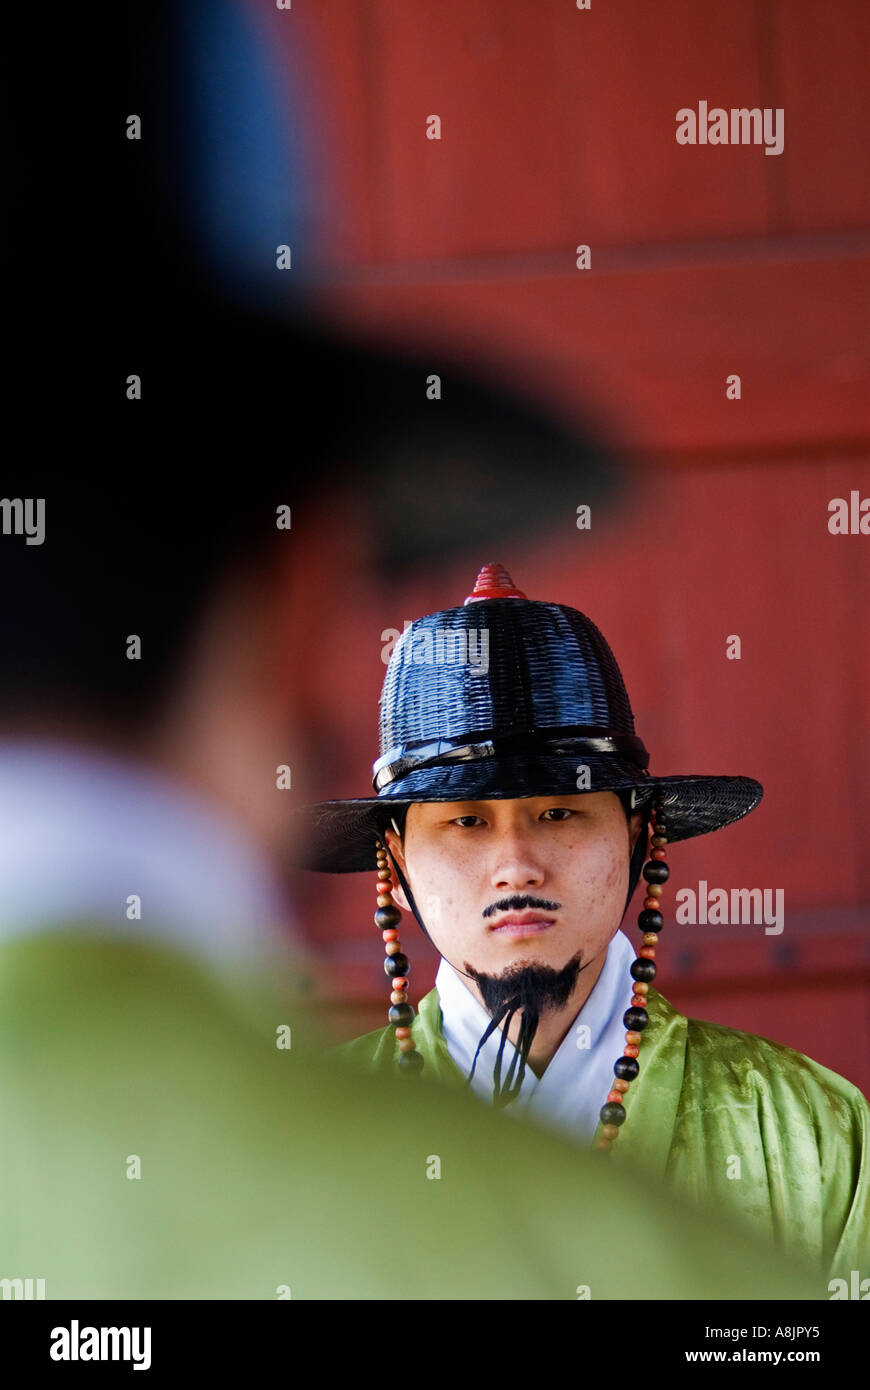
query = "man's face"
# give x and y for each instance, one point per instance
(531, 881)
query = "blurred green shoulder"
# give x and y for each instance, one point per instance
(373, 1051)
(379, 1050)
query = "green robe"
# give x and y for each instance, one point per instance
(724, 1116)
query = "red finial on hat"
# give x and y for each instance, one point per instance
(493, 582)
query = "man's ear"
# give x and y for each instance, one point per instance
(636, 824)
(394, 845)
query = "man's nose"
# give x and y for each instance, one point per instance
(514, 865)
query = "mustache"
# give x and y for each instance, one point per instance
(518, 903)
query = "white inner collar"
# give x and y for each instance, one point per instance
(575, 1084)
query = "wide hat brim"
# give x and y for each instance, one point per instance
(341, 836)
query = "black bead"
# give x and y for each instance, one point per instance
(650, 920)
(635, 1019)
(409, 1062)
(401, 1015)
(387, 917)
(626, 1068)
(643, 969)
(612, 1114)
(396, 965)
(656, 871)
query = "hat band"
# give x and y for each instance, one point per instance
(488, 743)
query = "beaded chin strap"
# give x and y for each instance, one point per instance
(643, 972)
(396, 967)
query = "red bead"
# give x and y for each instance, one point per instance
(658, 854)
(617, 1096)
(630, 1051)
(648, 952)
(391, 935)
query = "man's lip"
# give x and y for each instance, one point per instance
(532, 921)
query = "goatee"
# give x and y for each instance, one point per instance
(529, 989)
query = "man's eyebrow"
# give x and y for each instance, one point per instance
(560, 798)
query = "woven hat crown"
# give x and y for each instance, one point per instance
(507, 665)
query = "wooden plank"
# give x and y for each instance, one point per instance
(822, 53)
(558, 126)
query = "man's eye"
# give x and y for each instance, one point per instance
(460, 820)
(561, 812)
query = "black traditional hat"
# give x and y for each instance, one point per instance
(506, 697)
